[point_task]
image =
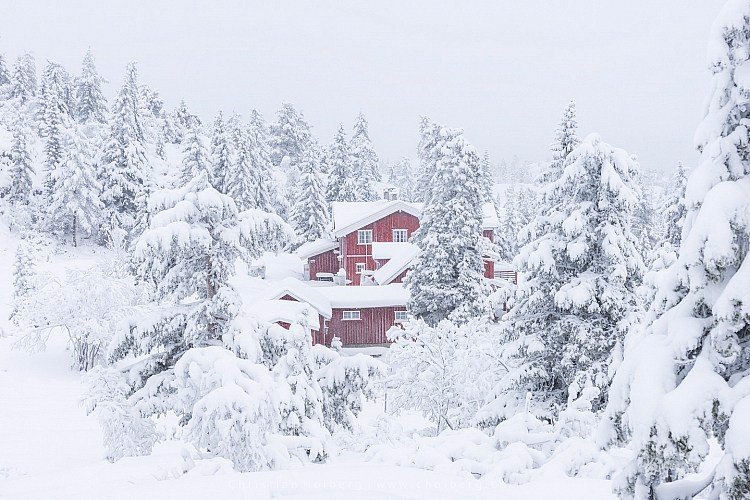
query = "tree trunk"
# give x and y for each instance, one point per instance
(75, 230)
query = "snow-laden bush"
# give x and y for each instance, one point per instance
(125, 432)
(447, 371)
(86, 305)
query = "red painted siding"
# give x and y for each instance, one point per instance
(489, 234)
(326, 262)
(370, 329)
(489, 269)
(382, 231)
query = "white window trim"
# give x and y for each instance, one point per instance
(360, 267)
(361, 232)
(396, 318)
(358, 318)
(406, 235)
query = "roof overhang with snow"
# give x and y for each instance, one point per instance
(303, 293)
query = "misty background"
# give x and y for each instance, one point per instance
(501, 70)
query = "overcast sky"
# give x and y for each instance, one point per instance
(502, 70)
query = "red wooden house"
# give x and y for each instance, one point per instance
(370, 250)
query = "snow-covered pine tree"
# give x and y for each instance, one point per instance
(429, 137)
(5, 79)
(447, 279)
(485, 177)
(195, 236)
(75, 206)
(266, 195)
(566, 140)
(183, 121)
(310, 212)
(249, 181)
(54, 118)
(289, 137)
(697, 346)
(195, 160)
(581, 264)
(24, 84)
(221, 154)
(403, 179)
(91, 105)
(21, 168)
(674, 208)
(125, 169)
(23, 278)
(342, 184)
(364, 160)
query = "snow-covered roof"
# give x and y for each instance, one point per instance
(399, 256)
(490, 219)
(288, 311)
(303, 293)
(349, 216)
(317, 247)
(365, 296)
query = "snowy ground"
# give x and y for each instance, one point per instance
(49, 448)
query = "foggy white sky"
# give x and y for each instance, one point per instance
(502, 70)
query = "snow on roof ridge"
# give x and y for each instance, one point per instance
(363, 297)
(400, 256)
(303, 293)
(315, 247)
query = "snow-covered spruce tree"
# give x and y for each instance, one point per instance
(346, 382)
(249, 180)
(697, 345)
(195, 161)
(342, 182)
(182, 121)
(403, 179)
(5, 78)
(289, 137)
(364, 160)
(221, 154)
(645, 221)
(485, 177)
(21, 168)
(566, 140)
(447, 279)
(674, 208)
(125, 169)
(429, 138)
(310, 213)
(582, 265)
(54, 118)
(195, 236)
(23, 279)
(24, 85)
(266, 194)
(90, 103)
(75, 205)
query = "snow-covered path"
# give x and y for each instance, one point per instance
(49, 448)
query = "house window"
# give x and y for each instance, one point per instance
(325, 327)
(351, 315)
(361, 266)
(399, 235)
(401, 317)
(364, 236)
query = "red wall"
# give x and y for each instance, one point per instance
(382, 231)
(326, 262)
(368, 330)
